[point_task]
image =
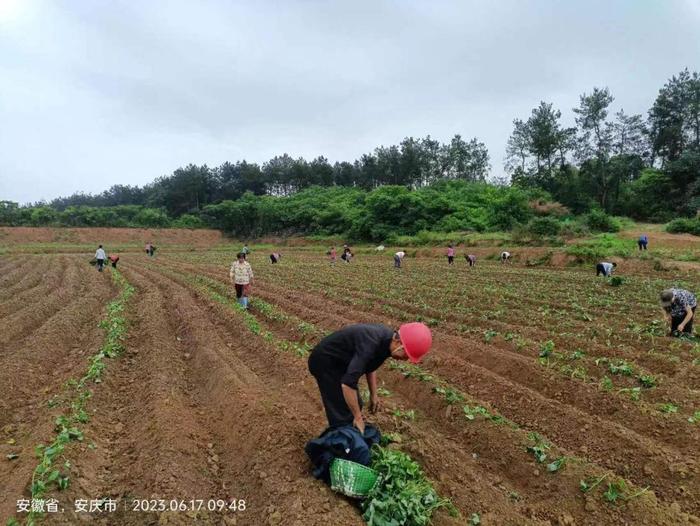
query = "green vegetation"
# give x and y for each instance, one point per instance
(404, 496)
(684, 225)
(53, 469)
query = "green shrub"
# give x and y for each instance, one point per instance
(546, 226)
(684, 226)
(600, 247)
(599, 221)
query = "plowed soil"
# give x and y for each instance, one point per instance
(204, 405)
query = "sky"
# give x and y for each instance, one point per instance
(101, 92)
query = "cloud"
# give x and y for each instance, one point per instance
(97, 93)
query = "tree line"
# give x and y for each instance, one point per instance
(645, 168)
(413, 163)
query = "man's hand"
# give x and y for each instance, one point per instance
(359, 423)
(375, 404)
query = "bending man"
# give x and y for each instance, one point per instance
(342, 358)
(679, 306)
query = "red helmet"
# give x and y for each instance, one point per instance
(416, 339)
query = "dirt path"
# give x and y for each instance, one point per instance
(198, 409)
(34, 369)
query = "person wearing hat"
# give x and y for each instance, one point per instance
(343, 357)
(679, 306)
(241, 274)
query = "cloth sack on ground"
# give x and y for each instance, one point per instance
(344, 442)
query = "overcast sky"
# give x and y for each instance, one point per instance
(95, 93)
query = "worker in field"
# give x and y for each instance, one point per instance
(114, 259)
(148, 249)
(643, 241)
(471, 259)
(450, 255)
(505, 257)
(245, 250)
(343, 357)
(605, 268)
(347, 254)
(332, 255)
(398, 258)
(241, 274)
(100, 257)
(275, 257)
(679, 306)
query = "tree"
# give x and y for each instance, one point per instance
(467, 160)
(518, 147)
(595, 142)
(674, 119)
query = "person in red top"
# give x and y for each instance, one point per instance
(332, 254)
(114, 259)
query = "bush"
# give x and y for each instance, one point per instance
(599, 221)
(188, 221)
(600, 247)
(684, 226)
(544, 227)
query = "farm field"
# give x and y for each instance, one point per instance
(550, 396)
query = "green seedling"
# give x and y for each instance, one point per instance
(647, 380)
(546, 349)
(577, 355)
(695, 418)
(555, 466)
(606, 384)
(590, 483)
(621, 368)
(635, 393)
(406, 415)
(490, 335)
(668, 408)
(381, 391)
(539, 448)
(474, 519)
(450, 395)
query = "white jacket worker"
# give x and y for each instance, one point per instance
(605, 268)
(241, 274)
(398, 258)
(505, 257)
(100, 256)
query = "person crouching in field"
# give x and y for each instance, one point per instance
(100, 257)
(114, 259)
(343, 357)
(241, 274)
(398, 258)
(450, 255)
(643, 241)
(605, 268)
(471, 259)
(505, 257)
(679, 306)
(275, 257)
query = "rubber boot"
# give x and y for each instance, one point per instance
(241, 302)
(245, 302)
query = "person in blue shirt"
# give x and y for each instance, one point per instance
(642, 242)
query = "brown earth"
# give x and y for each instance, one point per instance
(200, 407)
(95, 235)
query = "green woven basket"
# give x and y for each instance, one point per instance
(352, 479)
